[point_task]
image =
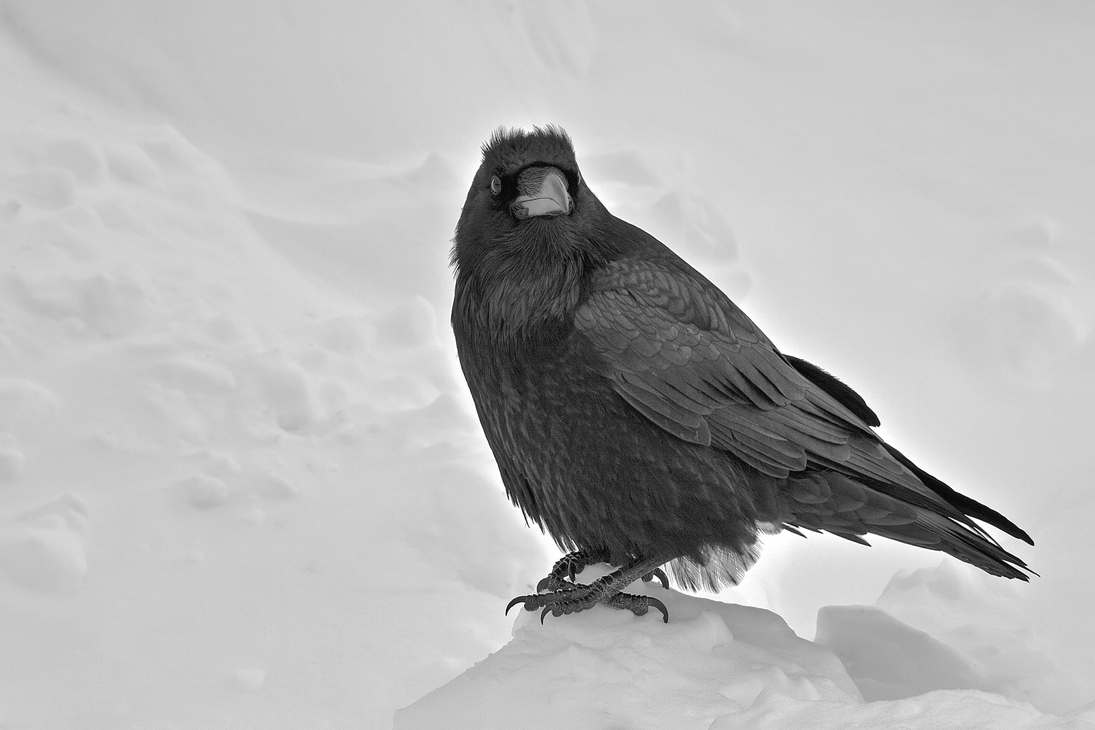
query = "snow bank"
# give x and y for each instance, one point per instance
(224, 486)
(607, 668)
(966, 631)
(713, 666)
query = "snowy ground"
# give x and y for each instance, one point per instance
(241, 484)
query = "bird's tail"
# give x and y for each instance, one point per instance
(850, 507)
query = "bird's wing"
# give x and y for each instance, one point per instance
(688, 359)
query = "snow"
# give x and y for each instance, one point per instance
(609, 669)
(241, 481)
(715, 666)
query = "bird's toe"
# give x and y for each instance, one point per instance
(660, 575)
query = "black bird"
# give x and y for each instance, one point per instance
(641, 418)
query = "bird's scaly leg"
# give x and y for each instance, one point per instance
(569, 566)
(565, 598)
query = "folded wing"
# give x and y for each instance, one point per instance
(688, 359)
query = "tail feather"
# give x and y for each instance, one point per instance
(850, 507)
(970, 507)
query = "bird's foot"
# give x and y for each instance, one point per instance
(569, 566)
(559, 596)
(573, 599)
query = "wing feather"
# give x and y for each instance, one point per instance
(683, 355)
(691, 361)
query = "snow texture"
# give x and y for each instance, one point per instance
(241, 480)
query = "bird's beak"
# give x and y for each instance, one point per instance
(543, 193)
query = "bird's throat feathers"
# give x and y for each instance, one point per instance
(524, 295)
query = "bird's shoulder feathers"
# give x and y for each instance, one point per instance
(686, 357)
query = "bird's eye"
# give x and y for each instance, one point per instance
(495, 185)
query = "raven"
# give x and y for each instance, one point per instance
(641, 418)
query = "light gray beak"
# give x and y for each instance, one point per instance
(543, 192)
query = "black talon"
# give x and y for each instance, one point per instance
(638, 604)
(514, 602)
(660, 606)
(660, 575)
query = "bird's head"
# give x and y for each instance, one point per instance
(528, 202)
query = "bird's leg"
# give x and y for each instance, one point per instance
(569, 566)
(570, 598)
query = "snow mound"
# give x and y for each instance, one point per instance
(874, 648)
(714, 665)
(965, 631)
(42, 548)
(620, 670)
